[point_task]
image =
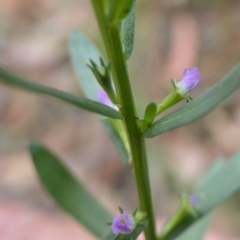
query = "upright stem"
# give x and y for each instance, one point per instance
(115, 54)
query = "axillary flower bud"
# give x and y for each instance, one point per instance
(189, 81)
(103, 76)
(104, 99)
(193, 200)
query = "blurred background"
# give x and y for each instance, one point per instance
(170, 36)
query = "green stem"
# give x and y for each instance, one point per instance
(121, 79)
(172, 98)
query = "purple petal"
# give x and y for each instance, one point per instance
(190, 80)
(104, 99)
(123, 223)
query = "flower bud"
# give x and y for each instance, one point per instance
(193, 200)
(190, 79)
(104, 99)
(123, 223)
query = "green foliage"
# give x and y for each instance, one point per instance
(200, 106)
(131, 236)
(127, 31)
(117, 134)
(150, 112)
(222, 180)
(183, 217)
(9, 78)
(190, 220)
(196, 231)
(82, 50)
(70, 194)
(149, 115)
(218, 184)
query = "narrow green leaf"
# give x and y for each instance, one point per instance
(82, 50)
(181, 219)
(9, 78)
(200, 106)
(132, 236)
(196, 231)
(127, 31)
(119, 10)
(209, 175)
(222, 181)
(150, 112)
(117, 133)
(68, 192)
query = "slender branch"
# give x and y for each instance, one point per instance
(121, 79)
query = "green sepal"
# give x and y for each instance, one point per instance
(134, 212)
(120, 209)
(102, 75)
(185, 95)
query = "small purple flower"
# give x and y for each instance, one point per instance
(104, 99)
(193, 200)
(190, 80)
(123, 223)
